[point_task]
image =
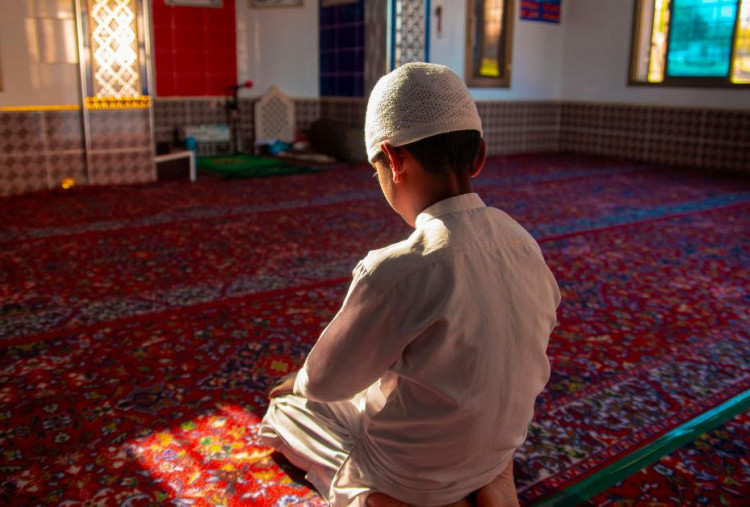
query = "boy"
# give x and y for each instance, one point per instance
(422, 386)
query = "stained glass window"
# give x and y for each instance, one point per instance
(741, 57)
(488, 53)
(700, 43)
(692, 42)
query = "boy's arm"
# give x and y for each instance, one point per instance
(365, 338)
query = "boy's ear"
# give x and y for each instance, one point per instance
(479, 162)
(396, 161)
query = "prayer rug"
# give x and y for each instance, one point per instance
(140, 327)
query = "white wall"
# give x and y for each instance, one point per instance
(38, 53)
(597, 57)
(585, 58)
(278, 46)
(537, 53)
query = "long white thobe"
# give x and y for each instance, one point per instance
(423, 384)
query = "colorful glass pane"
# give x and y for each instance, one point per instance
(492, 16)
(741, 63)
(659, 34)
(700, 43)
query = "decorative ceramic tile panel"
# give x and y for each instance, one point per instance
(542, 140)
(631, 146)
(674, 151)
(246, 122)
(22, 173)
(64, 130)
(580, 116)
(725, 156)
(170, 112)
(543, 114)
(410, 29)
(118, 168)
(506, 142)
(61, 166)
(727, 126)
(631, 119)
(349, 111)
(120, 129)
(583, 141)
(676, 123)
(206, 111)
(21, 132)
(306, 111)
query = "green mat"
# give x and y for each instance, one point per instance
(249, 166)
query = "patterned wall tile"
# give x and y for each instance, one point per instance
(676, 122)
(306, 111)
(506, 142)
(66, 165)
(726, 157)
(727, 126)
(579, 140)
(246, 124)
(208, 111)
(124, 167)
(580, 115)
(502, 115)
(21, 132)
(543, 115)
(674, 151)
(619, 145)
(64, 130)
(542, 140)
(22, 173)
(170, 112)
(120, 129)
(350, 111)
(625, 119)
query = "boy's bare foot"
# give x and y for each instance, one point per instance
(383, 500)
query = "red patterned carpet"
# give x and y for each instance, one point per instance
(712, 470)
(140, 326)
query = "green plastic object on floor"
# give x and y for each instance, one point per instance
(249, 166)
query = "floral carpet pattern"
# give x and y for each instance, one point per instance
(712, 470)
(140, 327)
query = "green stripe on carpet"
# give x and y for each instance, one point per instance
(667, 443)
(249, 166)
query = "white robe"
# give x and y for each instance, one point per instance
(424, 383)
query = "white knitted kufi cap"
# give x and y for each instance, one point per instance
(416, 101)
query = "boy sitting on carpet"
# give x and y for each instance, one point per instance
(422, 386)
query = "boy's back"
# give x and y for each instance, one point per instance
(423, 384)
(470, 304)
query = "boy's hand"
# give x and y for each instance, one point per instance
(284, 386)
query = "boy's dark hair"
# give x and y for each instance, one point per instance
(442, 153)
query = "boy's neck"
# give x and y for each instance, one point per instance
(430, 188)
(444, 187)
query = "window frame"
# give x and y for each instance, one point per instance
(473, 80)
(682, 81)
